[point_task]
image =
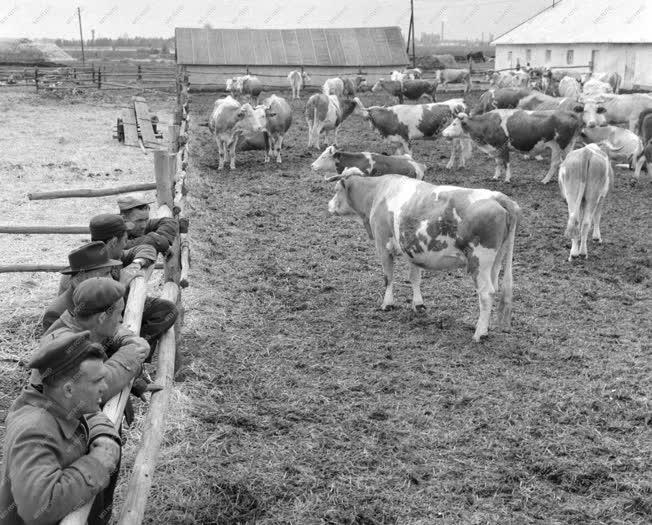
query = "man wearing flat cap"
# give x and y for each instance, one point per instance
(97, 309)
(90, 260)
(159, 233)
(59, 450)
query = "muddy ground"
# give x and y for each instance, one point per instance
(304, 403)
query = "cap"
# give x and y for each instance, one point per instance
(108, 225)
(90, 256)
(133, 201)
(96, 295)
(61, 354)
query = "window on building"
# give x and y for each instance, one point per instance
(548, 55)
(509, 57)
(528, 55)
(569, 56)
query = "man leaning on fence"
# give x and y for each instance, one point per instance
(59, 449)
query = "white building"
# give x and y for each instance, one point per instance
(614, 36)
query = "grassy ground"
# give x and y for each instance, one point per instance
(304, 403)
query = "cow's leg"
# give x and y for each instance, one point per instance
(484, 286)
(232, 153)
(220, 154)
(387, 261)
(310, 132)
(415, 280)
(555, 161)
(499, 167)
(597, 215)
(278, 144)
(454, 161)
(638, 166)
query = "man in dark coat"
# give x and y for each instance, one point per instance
(59, 450)
(159, 233)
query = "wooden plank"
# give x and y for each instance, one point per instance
(84, 192)
(144, 122)
(381, 45)
(291, 44)
(349, 42)
(321, 47)
(15, 268)
(396, 46)
(261, 48)
(230, 43)
(306, 47)
(130, 126)
(335, 46)
(200, 49)
(32, 229)
(367, 47)
(217, 49)
(184, 45)
(246, 46)
(276, 47)
(140, 483)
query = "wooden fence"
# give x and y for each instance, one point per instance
(170, 167)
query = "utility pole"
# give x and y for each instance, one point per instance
(442, 31)
(411, 35)
(81, 36)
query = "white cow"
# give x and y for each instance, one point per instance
(569, 88)
(594, 87)
(625, 143)
(297, 79)
(585, 178)
(229, 120)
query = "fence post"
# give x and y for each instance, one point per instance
(247, 70)
(99, 77)
(36, 78)
(93, 72)
(591, 67)
(140, 73)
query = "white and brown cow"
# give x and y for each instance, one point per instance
(613, 79)
(248, 86)
(617, 109)
(228, 121)
(644, 157)
(333, 160)
(585, 178)
(333, 86)
(500, 98)
(594, 87)
(325, 113)
(275, 115)
(401, 124)
(504, 79)
(297, 79)
(624, 144)
(436, 228)
(569, 87)
(453, 76)
(498, 130)
(410, 89)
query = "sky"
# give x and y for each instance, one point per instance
(158, 18)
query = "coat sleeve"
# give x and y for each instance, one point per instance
(124, 364)
(140, 251)
(43, 491)
(160, 234)
(56, 308)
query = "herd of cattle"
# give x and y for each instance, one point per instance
(442, 227)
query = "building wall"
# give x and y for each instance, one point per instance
(215, 77)
(631, 61)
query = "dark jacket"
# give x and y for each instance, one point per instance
(159, 233)
(46, 469)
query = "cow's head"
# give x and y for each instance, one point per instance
(592, 112)
(306, 77)
(248, 120)
(229, 84)
(457, 128)
(339, 204)
(326, 161)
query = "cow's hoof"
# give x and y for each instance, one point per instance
(545, 181)
(278, 161)
(598, 240)
(387, 307)
(477, 338)
(419, 308)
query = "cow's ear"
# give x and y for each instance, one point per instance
(578, 109)
(240, 114)
(271, 114)
(601, 110)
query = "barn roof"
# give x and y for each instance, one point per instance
(585, 21)
(357, 46)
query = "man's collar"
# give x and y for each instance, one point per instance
(66, 421)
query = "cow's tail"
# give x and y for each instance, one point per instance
(575, 207)
(505, 258)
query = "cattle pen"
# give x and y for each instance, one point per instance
(302, 401)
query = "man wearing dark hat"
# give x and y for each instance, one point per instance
(159, 233)
(89, 260)
(59, 450)
(158, 314)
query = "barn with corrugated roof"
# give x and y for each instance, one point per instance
(210, 56)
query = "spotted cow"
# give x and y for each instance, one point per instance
(410, 89)
(403, 123)
(569, 87)
(297, 79)
(436, 228)
(453, 76)
(585, 178)
(333, 160)
(622, 145)
(500, 98)
(325, 113)
(333, 86)
(618, 109)
(498, 130)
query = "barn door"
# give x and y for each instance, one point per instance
(630, 68)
